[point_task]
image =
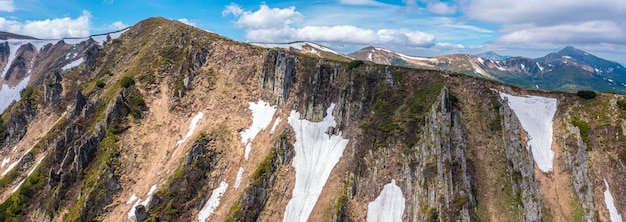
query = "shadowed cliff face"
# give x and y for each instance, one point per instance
(120, 138)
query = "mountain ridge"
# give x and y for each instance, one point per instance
(169, 122)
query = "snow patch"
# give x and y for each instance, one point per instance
(13, 47)
(213, 202)
(5, 162)
(73, 64)
(566, 57)
(132, 199)
(276, 122)
(608, 199)
(192, 127)
(388, 206)
(369, 57)
(479, 70)
(27, 175)
(535, 113)
(481, 60)
(10, 94)
(317, 152)
(522, 65)
(262, 114)
(131, 212)
(239, 177)
(539, 66)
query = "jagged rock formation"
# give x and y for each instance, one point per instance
(119, 149)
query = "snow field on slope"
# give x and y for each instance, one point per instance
(262, 114)
(238, 177)
(10, 94)
(131, 212)
(192, 127)
(317, 152)
(213, 202)
(73, 64)
(34, 167)
(276, 122)
(388, 206)
(535, 113)
(608, 200)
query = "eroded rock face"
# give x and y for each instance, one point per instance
(441, 182)
(521, 165)
(576, 161)
(278, 74)
(52, 88)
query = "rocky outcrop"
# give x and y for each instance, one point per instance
(254, 198)
(15, 126)
(440, 185)
(576, 162)
(520, 166)
(278, 74)
(52, 88)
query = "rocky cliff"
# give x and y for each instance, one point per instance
(169, 122)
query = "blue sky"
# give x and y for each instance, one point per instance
(529, 28)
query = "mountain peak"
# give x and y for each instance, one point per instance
(492, 56)
(571, 50)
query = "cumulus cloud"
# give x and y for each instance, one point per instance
(7, 6)
(188, 22)
(265, 17)
(280, 25)
(50, 28)
(119, 25)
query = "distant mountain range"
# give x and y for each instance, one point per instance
(570, 69)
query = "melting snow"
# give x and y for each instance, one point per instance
(13, 47)
(539, 66)
(317, 152)
(522, 65)
(388, 206)
(5, 162)
(27, 175)
(481, 60)
(608, 199)
(132, 199)
(239, 177)
(212, 203)
(369, 57)
(262, 114)
(73, 64)
(10, 94)
(192, 127)
(276, 122)
(535, 113)
(566, 57)
(131, 212)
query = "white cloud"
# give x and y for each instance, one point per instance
(543, 12)
(234, 9)
(265, 17)
(188, 22)
(280, 25)
(7, 6)
(362, 2)
(585, 32)
(50, 28)
(441, 8)
(119, 25)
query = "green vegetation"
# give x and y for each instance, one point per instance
(127, 81)
(621, 104)
(234, 210)
(108, 72)
(28, 92)
(355, 63)
(15, 206)
(586, 94)
(93, 184)
(584, 131)
(100, 84)
(453, 99)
